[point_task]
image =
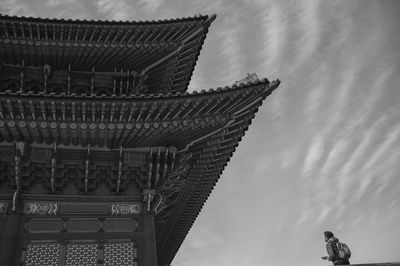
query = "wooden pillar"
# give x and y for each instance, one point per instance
(147, 253)
(10, 237)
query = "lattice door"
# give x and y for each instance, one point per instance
(43, 254)
(120, 254)
(83, 253)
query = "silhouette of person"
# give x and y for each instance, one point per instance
(332, 249)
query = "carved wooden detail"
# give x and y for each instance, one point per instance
(41, 208)
(84, 208)
(125, 208)
(3, 207)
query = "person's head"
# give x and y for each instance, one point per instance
(328, 234)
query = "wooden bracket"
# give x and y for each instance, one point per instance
(53, 167)
(87, 169)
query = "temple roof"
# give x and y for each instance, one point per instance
(187, 138)
(165, 50)
(100, 105)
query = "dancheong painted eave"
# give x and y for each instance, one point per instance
(122, 122)
(164, 51)
(206, 158)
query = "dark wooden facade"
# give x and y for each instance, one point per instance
(105, 159)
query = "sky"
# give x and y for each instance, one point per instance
(323, 151)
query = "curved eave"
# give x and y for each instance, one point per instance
(181, 82)
(22, 19)
(145, 97)
(210, 156)
(58, 119)
(175, 37)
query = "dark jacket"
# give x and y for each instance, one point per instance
(331, 248)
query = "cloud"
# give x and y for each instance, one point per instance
(273, 29)
(357, 220)
(151, 6)
(345, 175)
(317, 93)
(326, 210)
(306, 22)
(389, 142)
(115, 10)
(388, 173)
(14, 7)
(334, 158)
(59, 2)
(314, 154)
(304, 217)
(230, 48)
(377, 163)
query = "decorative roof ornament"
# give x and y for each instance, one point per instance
(250, 78)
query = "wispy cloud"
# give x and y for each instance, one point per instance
(15, 7)
(369, 169)
(115, 10)
(355, 160)
(151, 6)
(309, 26)
(389, 142)
(230, 47)
(273, 31)
(326, 210)
(314, 154)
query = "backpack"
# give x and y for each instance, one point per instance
(343, 251)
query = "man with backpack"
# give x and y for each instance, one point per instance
(339, 253)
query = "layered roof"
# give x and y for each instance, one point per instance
(62, 86)
(165, 50)
(203, 130)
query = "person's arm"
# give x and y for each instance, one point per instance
(330, 251)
